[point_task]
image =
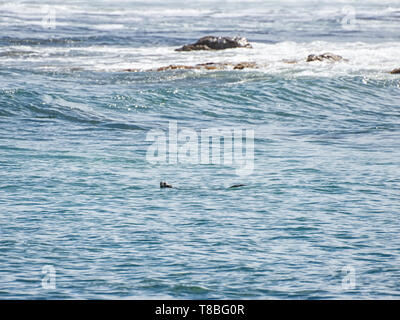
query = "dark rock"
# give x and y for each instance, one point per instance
(395, 71)
(243, 65)
(131, 70)
(209, 66)
(193, 47)
(325, 56)
(213, 65)
(174, 67)
(216, 43)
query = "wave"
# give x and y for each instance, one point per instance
(29, 104)
(16, 53)
(177, 15)
(130, 101)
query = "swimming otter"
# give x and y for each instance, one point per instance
(237, 186)
(163, 184)
(216, 43)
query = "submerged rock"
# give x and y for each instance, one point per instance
(237, 186)
(290, 61)
(173, 67)
(193, 47)
(213, 65)
(244, 65)
(131, 70)
(395, 71)
(325, 56)
(216, 43)
(227, 65)
(204, 66)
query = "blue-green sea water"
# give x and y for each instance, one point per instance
(319, 215)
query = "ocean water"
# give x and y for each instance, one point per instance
(81, 212)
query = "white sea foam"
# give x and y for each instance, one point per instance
(363, 58)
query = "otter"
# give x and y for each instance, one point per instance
(237, 186)
(163, 184)
(216, 43)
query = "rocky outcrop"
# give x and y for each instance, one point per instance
(395, 71)
(216, 43)
(213, 66)
(132, 70)
(172, 67)
(204, 66)
(320, 57)
(245, 65)
(325, 56)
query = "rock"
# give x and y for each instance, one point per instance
(216, 43)
(131, 70)
(325, 56)
(210, 66)
(243, 65)
(213, 65)
(193, 47)
(173, 67)
(289, 61)
(204, 66)
(395, 71)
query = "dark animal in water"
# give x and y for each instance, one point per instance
(163, 184)
(237, 186)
